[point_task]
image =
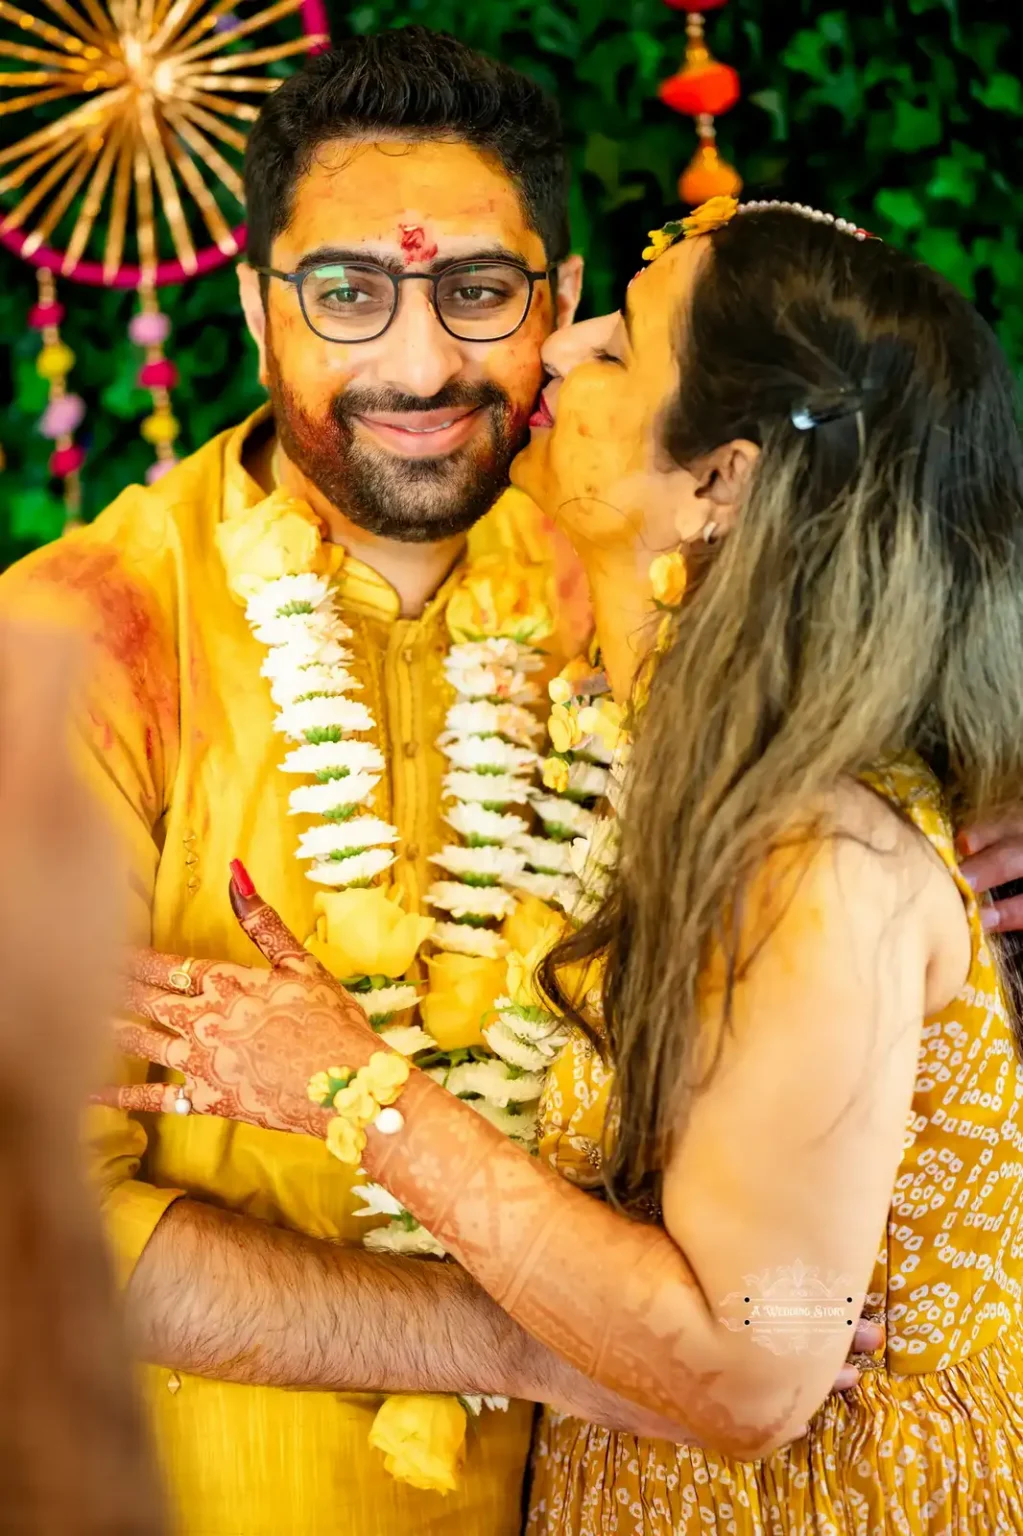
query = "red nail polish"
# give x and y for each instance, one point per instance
(242, 879)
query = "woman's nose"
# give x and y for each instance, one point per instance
(566, 349)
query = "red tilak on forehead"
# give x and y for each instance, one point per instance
(414, 244)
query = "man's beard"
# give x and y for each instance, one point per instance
(416, 501)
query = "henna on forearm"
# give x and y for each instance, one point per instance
(637, 1322)
(222, 1295)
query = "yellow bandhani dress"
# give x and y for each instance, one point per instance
(180, 745)
(930, 1443)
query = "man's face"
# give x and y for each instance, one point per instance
(409, 435)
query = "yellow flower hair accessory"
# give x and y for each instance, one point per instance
(661, 240)
(563, 728)
(713, 214)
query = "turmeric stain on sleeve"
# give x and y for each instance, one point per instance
(127, 626)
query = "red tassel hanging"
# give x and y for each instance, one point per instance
(703, 89)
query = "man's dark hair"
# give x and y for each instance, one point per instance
(417, 83)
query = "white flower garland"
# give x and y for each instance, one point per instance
(307, 666)
(490, 740)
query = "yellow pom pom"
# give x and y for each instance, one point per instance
(161, 427)
(55, 361)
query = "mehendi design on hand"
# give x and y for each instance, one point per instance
(637, 1322)
(249, 1039)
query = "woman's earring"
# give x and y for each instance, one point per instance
(709, 533)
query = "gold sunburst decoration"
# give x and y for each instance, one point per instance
(146, 103)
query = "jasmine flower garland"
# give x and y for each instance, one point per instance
(273, 558)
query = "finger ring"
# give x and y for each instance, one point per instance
(180, 977)
(182, 1104)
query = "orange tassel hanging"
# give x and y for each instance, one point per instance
(703, 89)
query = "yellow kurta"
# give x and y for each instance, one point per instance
(180, 743)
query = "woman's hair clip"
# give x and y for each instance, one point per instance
(803, 419)
(848, 401)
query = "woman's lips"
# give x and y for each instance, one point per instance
(541, 417)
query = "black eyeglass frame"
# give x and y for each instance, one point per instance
(297, 279)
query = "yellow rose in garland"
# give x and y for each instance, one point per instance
(499, 599)
(461, 998)
(365, 932)
(523, 989)
(280, 536)
(422, 1440)
(533, 922)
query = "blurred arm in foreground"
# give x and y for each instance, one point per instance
(73, 1452)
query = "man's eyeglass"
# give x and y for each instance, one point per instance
(356, 301)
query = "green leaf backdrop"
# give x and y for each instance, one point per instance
(902, 114)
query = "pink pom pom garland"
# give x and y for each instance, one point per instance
(159, 375)
(157, 470)
(65, 462)
(64, 411)
(149, 329)
(62, 417)
(40, 316)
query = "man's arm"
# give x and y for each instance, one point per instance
(222, 1295)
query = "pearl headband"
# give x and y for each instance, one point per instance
(845, 225)
(719, 211)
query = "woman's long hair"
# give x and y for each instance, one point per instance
(869, 601)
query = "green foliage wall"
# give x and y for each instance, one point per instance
(902, 114)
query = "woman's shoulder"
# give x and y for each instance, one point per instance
(898, 816)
